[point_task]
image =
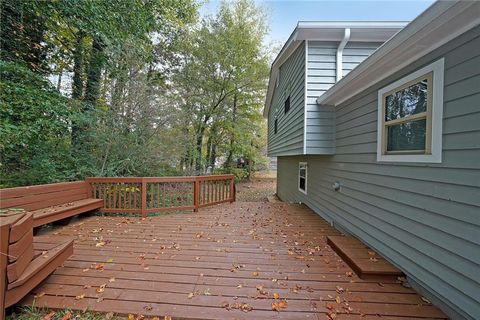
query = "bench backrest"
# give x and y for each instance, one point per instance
(42, 196)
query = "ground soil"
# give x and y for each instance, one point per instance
(259, 188)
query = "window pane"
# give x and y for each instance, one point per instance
(408, 101)
(407, 136)
(302, 172)
(302, 184)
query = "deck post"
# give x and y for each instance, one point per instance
(196, 194)
(143, 203)
(4, 236)
(89, 188)
(232, 190)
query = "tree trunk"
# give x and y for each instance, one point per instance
(77, 84)
(59, 81)
(94, 77)
(228, 162)
(198, 145)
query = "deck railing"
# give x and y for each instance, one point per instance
(154, 194)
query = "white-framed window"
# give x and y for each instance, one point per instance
(302, 177)
(410, 113)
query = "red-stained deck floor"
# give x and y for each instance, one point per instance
(213, 264)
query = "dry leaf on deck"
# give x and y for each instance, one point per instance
(49, 316)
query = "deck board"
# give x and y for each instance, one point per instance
(220, 255)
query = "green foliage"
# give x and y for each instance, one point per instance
(149, 91)
(34, 128)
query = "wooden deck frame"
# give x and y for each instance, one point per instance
(205, 265)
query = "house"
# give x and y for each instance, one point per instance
(379, 125)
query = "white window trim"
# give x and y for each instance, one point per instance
(306, 176)
(437, 116)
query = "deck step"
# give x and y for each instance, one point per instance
(365, 262)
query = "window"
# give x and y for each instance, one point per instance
(410, 117)
(275, 126)
(287, 104)
(302, 177)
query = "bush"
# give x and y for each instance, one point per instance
(34, 129)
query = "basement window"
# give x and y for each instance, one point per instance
(410, 117)
(302, 177)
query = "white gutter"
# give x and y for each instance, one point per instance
(341, 46)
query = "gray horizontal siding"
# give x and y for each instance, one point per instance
(425, 218)
(289, 138)
(321, 75)
(355, 52)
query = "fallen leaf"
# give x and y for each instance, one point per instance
(131, 316)
(190, 295)
(109, 315)
(338, 300)
(49, 316)
(166, 318)
(101, 288)
(80, 297)
(38, 295)
(255, 274)
(207, 292)
(109, 260)
(332, 315)
(276, 295)
(99, 266)
(111, 280)
(67, 316)
(278, 305)
(330, 306)
(426, 300)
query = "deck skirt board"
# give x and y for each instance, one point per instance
(222, 254)
(364, 261)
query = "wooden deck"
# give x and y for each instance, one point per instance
(232, 261)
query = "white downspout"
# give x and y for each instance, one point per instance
(341, 46)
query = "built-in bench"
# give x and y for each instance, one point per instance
(364, 261)
(25, 260)
(49, 202)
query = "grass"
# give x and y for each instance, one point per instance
(34, 313)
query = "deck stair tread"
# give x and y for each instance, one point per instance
(364, 261)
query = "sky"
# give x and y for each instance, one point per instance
(284, 14)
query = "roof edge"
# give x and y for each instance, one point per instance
(439, 24)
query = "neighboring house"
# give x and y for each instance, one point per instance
(390, 152)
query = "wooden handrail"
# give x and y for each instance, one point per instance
(145, 195)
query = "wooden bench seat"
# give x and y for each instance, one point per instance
(25, 260)
(58, 212)
(50, 202)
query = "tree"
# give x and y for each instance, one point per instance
(223, 82)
